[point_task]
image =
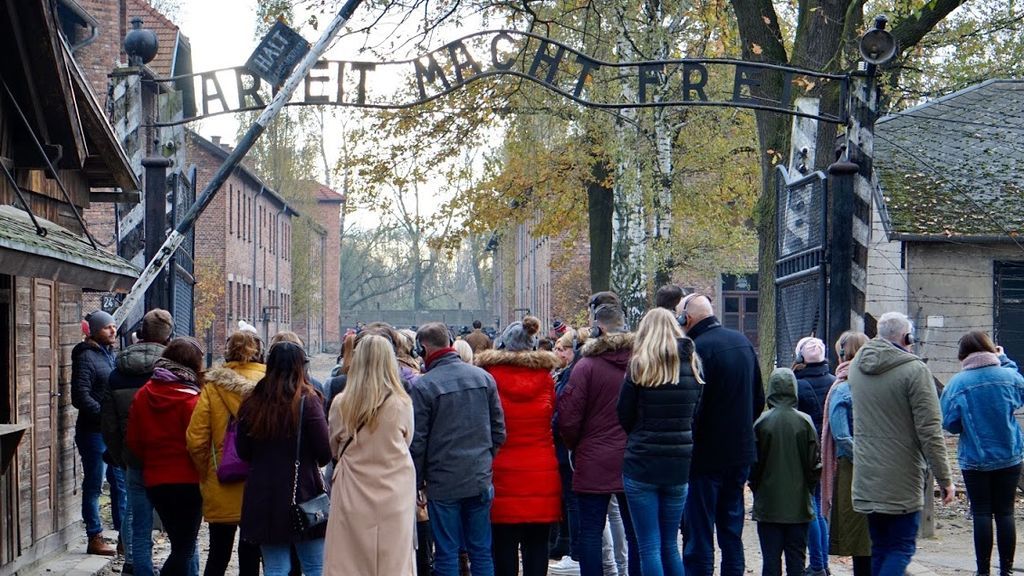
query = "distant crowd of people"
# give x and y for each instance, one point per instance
(593, 454)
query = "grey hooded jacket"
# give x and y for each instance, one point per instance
(897, 430)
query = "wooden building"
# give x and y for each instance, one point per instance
(48, 115)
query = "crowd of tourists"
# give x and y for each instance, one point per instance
(595, 450)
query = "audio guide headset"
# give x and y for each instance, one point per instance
(684, 317)
(842, 347)
(420, 352)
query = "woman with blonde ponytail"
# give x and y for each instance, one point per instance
(371, 527)
(656, 408)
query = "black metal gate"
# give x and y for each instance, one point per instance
(182, 285)
(800, 279)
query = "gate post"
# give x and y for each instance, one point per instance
(156, 224)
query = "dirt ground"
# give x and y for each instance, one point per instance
(949, 553)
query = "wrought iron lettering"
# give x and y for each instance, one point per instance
(557, 67)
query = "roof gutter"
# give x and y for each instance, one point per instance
(978, 239)
(87, 19)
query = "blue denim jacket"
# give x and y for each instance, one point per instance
(978, 404)
(840, 419)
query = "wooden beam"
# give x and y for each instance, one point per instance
(133, 197)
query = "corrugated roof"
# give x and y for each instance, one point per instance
(954, 167)
(166, 33)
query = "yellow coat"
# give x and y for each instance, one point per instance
(224, 389)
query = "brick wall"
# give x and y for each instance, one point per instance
(246, 235)
(329, 217)
(104, 53)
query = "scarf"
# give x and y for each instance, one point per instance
(166, 370)
(829, 460)
(980, 360)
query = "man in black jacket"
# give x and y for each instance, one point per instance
(91, 363)
(459, 427)
(724, 446)
(132, 369)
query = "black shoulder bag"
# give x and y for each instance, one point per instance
(313, 512)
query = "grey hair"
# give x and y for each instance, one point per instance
(893, 325)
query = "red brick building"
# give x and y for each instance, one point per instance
(329, 205)
(245, 234)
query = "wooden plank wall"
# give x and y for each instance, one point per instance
(46, 468)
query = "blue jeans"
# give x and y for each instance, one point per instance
(714, 505)
(893, 542)
(656, 512)
(464, 523)
(572, 511)
(593, 515)
(277, 558)
(140, 521)
(817, 535)
(91, 448)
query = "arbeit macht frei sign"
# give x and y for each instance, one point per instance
(559, 68)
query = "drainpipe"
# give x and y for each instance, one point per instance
(257, 314)
(277, 265)
(323, 290)
(90, 23)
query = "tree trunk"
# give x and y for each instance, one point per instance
(599, 208)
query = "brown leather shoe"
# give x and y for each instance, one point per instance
(99, 546)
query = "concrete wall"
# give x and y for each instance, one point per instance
(886, 273)
(951, 292)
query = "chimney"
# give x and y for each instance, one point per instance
(216, 140)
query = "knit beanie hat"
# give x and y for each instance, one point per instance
(812, 348)
(157, 326)
(99, 320)
(520, 336)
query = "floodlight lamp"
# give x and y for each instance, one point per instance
(877, 46)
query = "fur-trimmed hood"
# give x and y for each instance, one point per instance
(232, 378)
(533, 359)
(608, 343)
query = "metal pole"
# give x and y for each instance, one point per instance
(247, 141)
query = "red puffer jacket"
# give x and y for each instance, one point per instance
(157, 423)
(527, 487)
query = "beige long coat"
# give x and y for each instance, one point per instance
(371, 528)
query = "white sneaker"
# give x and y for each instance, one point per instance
(564, 567)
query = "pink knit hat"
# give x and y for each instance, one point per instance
(813, 350)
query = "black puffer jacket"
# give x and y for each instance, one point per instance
(132, 369)
(91, 364)
(659, 425)
(813, 384)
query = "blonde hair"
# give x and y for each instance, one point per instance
(580, 336)
(465, 351)
(287, 336)
(373, 374)
(655, 359)
(849, 343)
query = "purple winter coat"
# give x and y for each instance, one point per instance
(587, 417)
